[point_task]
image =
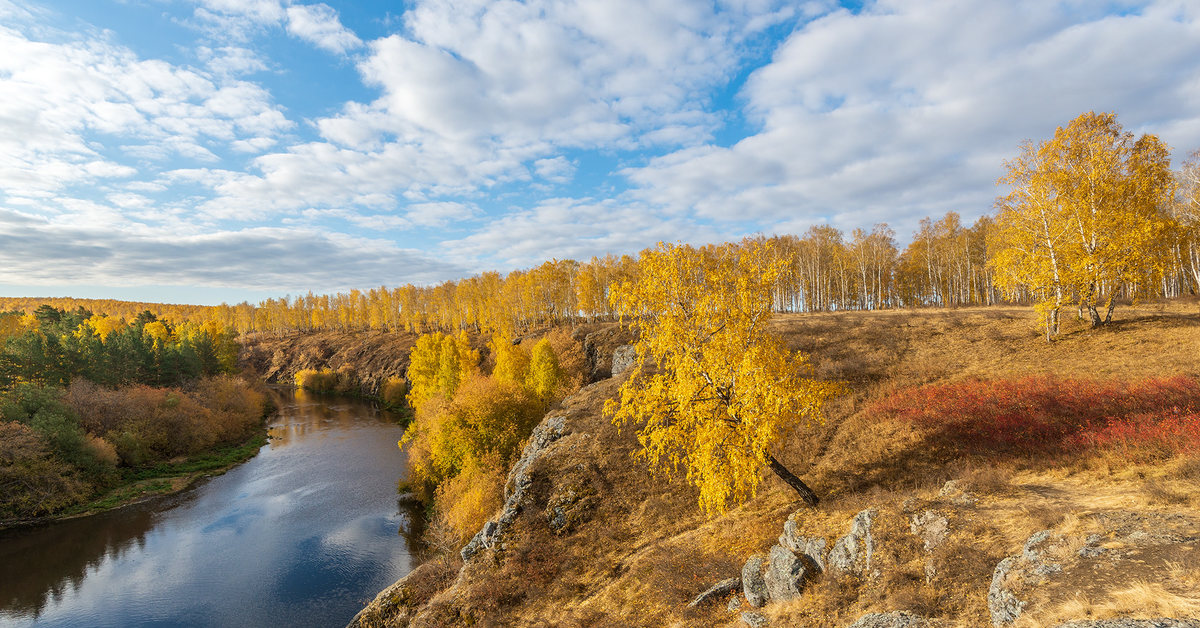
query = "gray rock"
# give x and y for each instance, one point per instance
(1005, 608)
(895, 619)
(1035, 545)
(754, 586)
(623, 359)
(549, 430)
(754, 620)
(735, 603)
(785, 575)
(810, 549)
(722, 588)
(1132, 623)
(930, 527)
(852, 553)
(954, 491)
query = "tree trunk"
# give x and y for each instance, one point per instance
(796, 483)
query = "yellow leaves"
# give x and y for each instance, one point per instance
(437, 365)
(721, 391)
(1086, 215)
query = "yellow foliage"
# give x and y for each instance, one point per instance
(437, 365)
(468, 500)
(393, 390)
(712, 390)
(545, 377)
(1086, 216)
(512, 360)
(103, 326)
(158, 332)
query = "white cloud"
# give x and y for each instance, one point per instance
(908, 109)
(319, 25)
(474, 95)
(566, 228)
(59, 102)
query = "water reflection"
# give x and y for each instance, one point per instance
(303, 534)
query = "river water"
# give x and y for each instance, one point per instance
(303, 534)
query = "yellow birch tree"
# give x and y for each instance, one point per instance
(712, 391)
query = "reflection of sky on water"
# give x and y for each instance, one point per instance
(303, 534)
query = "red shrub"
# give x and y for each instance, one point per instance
(1046, 414)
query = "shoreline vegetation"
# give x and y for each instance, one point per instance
(162, 480)
(96, 411)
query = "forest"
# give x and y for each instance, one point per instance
(91, 402)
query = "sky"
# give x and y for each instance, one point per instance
(200, 151)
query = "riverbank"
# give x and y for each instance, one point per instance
(159, 480)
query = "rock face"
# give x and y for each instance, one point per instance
(754, 585)
(897, 619)
(852, 553)
(549, 430)
(623, 359)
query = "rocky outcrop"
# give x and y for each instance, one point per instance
(852, 553)
(395, 605)
(897, 619)
(810, 549)
(1003, 606)
(519, 480)
(623, 359)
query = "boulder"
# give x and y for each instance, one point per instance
(810, 549)
(718, 590)
(851, 554)
(896, 619)
(785, 575)
(754, 586)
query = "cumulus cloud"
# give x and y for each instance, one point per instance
(565, 228)
(56, 98)
(473, 96)
(319, 25)
(908, 109)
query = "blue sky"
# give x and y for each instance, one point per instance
(219, 150)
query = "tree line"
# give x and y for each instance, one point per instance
(1093, 180)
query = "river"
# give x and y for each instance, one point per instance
(303, 534)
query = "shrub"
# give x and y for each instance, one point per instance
(32, 481)
(466, 501)
(1047, 415)
(393, 391)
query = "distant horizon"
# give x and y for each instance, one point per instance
(177, 151)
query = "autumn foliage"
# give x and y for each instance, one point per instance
(1048, 415)
(712, 391)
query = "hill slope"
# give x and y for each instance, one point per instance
(589, 538)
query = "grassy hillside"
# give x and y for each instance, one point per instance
(635, 549)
